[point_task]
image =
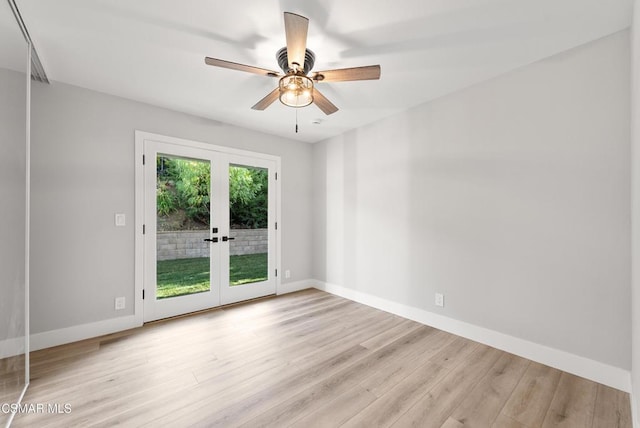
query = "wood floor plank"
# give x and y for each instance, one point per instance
(308, 400)
(90, 408)
(387, 409)
(306, 359)
(452, 423)
(193, 405)
(454, 352)
(280, 378)
(176, 407)
(483, 405)
(381, 361)
(612, 409)
(383, 364)
(386, 337)
(434, 408)
(532, 397)
(319, 358)
(240, 412)
(12, 378)
(379, 382)
(335, 413)
(573, 403)
(505, 421)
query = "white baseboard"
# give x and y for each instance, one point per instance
(599, 372)
(580, 366)
(61, 336)
(51, 338)
(290, 287)
(11, 347)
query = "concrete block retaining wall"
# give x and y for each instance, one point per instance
(191, 244)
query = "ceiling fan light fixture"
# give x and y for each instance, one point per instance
(296, 90)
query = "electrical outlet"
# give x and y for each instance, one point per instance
(120, 303)
(439, 300)
(287, 273)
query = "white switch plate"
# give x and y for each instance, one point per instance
(439, 300)
(120, 303)
(120, 219)
(287, 274)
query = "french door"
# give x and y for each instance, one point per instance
(209, 228)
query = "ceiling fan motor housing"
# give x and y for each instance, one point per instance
(283, 60)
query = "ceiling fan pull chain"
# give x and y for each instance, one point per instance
(296, 121)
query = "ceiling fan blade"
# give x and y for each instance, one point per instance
(323, 103)
(296, 27)
(240, 67)
(268, 100)
(369, 72)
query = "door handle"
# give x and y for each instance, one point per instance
(226, 238)
(211, 240)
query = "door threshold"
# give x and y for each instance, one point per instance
(213, 309)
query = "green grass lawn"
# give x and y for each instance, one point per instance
(187, 276)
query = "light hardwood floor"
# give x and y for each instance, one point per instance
(11, 383)
(307, 359)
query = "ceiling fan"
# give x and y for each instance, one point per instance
(296, 87)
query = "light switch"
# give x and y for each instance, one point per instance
(120, 219)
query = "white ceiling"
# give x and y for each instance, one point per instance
(153, 50)
(13, 46)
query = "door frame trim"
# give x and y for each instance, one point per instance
(139, 253)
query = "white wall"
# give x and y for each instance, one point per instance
(635, 210)
(510, 197)
(83, 173)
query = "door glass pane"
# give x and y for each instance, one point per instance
(13, 161)
(248, 214)
(183, 223)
